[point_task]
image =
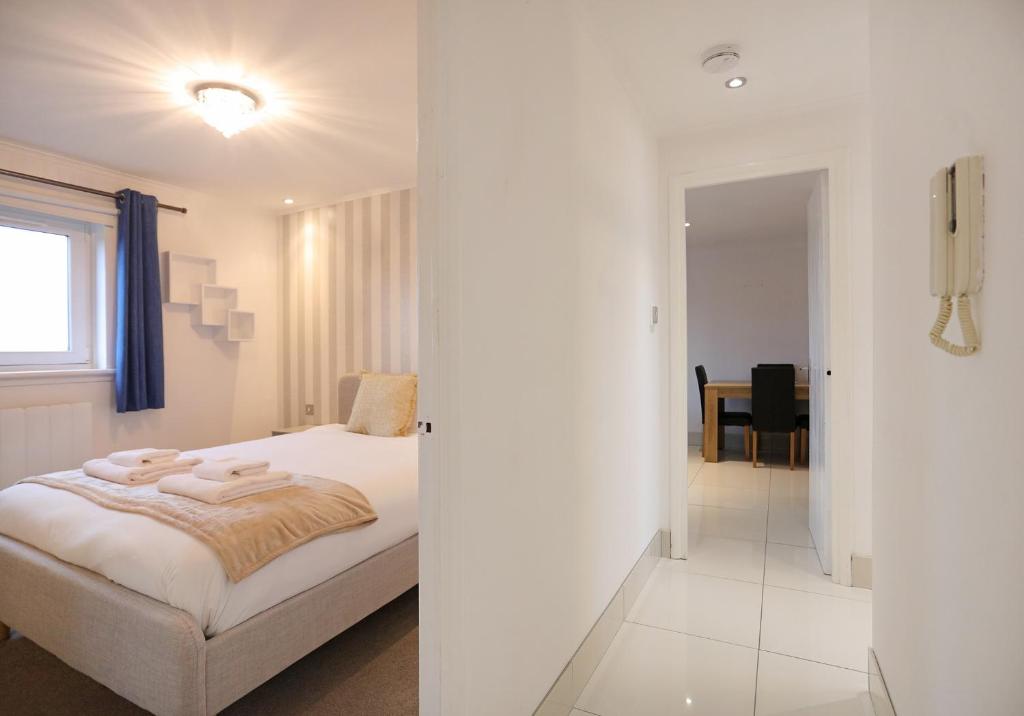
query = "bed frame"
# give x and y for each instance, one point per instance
(155, 655)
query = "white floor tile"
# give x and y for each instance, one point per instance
(713, 495)
(829, 630)
(788, 686)
(724, 557)
(799, 568)
(725, 522)
(781, 466)
(788, 501)
(779, 460)
(789, 489)
(722, 609)
(752, 577)
(788, 525)
(653, 672)
(734, 475)
(694, 463)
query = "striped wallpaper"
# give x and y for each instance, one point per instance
(347, 297)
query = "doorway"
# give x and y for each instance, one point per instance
(822, 272)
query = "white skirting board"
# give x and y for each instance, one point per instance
(881, 702)
(561, 698)
(860, 570)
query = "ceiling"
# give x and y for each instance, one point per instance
(795, 54)
(773, 209)
(96, 81)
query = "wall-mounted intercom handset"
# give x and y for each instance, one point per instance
(957, 228)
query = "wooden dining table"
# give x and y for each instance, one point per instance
(713, 391)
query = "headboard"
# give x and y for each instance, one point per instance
(348, 386)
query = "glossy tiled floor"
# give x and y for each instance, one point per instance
(749, 624)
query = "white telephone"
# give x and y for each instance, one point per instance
(957, 227)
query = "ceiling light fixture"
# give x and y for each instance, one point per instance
(289, 201)
(736, 82)
(686, 224)
(227, 107)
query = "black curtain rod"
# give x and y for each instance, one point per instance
(76, 187)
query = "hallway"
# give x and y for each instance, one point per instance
(748, 624)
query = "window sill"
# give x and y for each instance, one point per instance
(17, 378)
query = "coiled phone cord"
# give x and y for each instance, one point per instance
(963, 310)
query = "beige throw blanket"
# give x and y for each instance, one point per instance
(246, 533)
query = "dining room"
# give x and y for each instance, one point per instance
(757, 329)
(748, 313)
(762, 542)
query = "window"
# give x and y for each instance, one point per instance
(46, 276)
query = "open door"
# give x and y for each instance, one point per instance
(819, 304)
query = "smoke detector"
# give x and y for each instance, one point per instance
(720, 58)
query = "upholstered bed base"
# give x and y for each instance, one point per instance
(157, 656)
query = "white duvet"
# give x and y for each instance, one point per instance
(166, 564)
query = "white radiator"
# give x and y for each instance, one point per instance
(43, 439)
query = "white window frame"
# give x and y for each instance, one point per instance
(81, 293)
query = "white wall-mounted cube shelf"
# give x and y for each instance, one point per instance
(215, 303)
(192, 281)
(185, 276)
(241, 325)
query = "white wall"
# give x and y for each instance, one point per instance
(842, 127)
(216, 392)
(746, 304)
(949, 541)
(550, 415)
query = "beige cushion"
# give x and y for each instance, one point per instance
(385, 405)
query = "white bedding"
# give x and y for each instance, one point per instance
(166, 564)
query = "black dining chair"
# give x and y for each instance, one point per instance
(803, 421)
(803, 427)
(735, 419)
(773, 404)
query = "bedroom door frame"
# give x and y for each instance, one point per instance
(836, 166)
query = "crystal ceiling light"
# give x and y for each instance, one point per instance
(227, 107)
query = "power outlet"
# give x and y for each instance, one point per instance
(309, 409)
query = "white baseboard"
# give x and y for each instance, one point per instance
(881, 702)
(860, 567)
(562, 696)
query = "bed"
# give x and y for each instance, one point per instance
(148, 611)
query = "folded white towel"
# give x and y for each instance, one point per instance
(229, 468)
(214, 492)
(142, 457)
(106, 470)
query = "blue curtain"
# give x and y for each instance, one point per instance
(139, 348)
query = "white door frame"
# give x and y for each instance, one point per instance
(836, 163)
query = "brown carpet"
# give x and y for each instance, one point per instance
(370, 669)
